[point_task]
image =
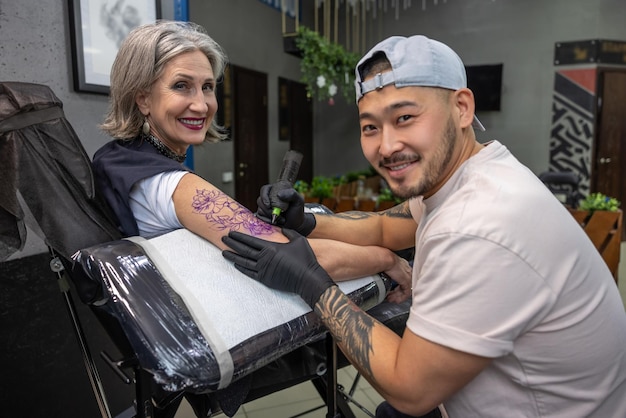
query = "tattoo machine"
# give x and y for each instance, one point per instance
(287, 176)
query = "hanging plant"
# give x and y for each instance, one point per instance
(327, 67)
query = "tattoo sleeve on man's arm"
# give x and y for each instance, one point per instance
(351, 327)
(225, 213)
(352, 214)
(399, 211)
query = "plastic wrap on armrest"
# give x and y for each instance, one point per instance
(166, 340)
(193, 320)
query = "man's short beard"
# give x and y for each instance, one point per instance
(434, 168)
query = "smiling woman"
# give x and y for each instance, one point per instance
(162, 101)
(181, 103)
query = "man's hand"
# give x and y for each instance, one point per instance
(290, 267)
(291, 204)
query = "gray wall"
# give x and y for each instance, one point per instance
(520, 34)
(35, 47)
(251, 34)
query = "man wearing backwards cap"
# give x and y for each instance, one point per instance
(513, 313)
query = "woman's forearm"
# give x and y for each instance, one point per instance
(345, 261)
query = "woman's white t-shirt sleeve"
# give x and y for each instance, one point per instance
(152, 205)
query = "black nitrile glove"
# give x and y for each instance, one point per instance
(290, 267)
(290, 202)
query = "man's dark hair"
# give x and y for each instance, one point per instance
(378, 63)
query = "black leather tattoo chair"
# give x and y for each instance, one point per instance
(167, 353)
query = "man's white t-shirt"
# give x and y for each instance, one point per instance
(503, 271)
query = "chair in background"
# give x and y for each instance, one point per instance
(564, 185)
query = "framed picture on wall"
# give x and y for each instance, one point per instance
(97, 28)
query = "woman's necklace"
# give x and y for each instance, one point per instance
(163, 149)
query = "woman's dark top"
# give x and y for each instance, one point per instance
(118, 165)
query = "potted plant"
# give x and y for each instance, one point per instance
(599, 201)
(327, 67)
(601, 218)
(301, 187)
(322, 188)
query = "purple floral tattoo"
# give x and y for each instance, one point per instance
(226, 214)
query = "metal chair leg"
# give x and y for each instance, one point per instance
(92, 372)
(328, 387)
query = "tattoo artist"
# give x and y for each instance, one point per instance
(514, 313)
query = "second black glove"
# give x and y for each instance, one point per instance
(290, 267)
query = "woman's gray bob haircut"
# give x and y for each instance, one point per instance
(140, 62)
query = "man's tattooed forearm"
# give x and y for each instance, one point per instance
(351, 327)
(225, 213)
(399, 211)
(353, 215)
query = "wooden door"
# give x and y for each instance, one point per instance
(249, 134)
(609, 165)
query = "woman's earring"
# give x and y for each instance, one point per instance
(146, 127)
